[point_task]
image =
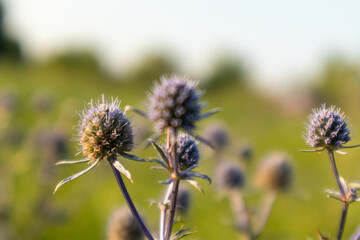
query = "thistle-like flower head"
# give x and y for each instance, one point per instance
(187, 152)
(123, 226)
(275, 172)
(104, 131)
(229, 176)
(174, 102)
(327, 129)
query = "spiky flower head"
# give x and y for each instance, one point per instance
(327, 128)
(104, 131)
(229, 176)
(174, 102)
(275, 172)
(187, 152)
(183, 200)
(217, 135)
(122, 226)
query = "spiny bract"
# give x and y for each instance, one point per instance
(104, 131)
(174, 102)
(327, 128)
(187, 152)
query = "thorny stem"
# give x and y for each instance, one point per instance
(241, 215)
(265, 212)
(130, 203)
(172, 136)
(343, 196)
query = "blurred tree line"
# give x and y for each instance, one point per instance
(9, 47)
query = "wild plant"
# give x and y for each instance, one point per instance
(327, 130)
(105, 132)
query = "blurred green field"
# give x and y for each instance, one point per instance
(80, 209)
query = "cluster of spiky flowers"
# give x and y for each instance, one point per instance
(328, 130)
(273, 175)
(104, 132)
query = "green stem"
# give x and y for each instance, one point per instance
(265, 212)
(172, 137)
(130, 203)
(335, 171)
(343, 195)
(343, 220)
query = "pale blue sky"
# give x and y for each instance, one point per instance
(279, 39)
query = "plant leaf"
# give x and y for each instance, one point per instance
(159, 161)
(136, 110)
(195, 184)
(200, 175)
(133, 157)
(66, 180)
(166, 181)
(210, 112)
(72, 162)
(160, 150)
(122, 170)
(182, 232)
(157, 168)
(201, 139)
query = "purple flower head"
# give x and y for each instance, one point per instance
(229, 176)
(187, 152)
(104, 131)
(123, 226)
(327, 128)
(275, 172)
(174, 102)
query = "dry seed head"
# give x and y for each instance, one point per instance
(174, 102)
(275, 172)
(104, 131)
(327, 128)
(123, 226)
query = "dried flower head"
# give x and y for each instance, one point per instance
(327, 129)
(183, 200)
(122, 226)
(187, 152)
(275, 172)
(104, 131)
(217, 135)
(229, 176)
(174, 102)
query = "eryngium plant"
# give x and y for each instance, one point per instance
(174, 102)
(327, 130)
(104, 132)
